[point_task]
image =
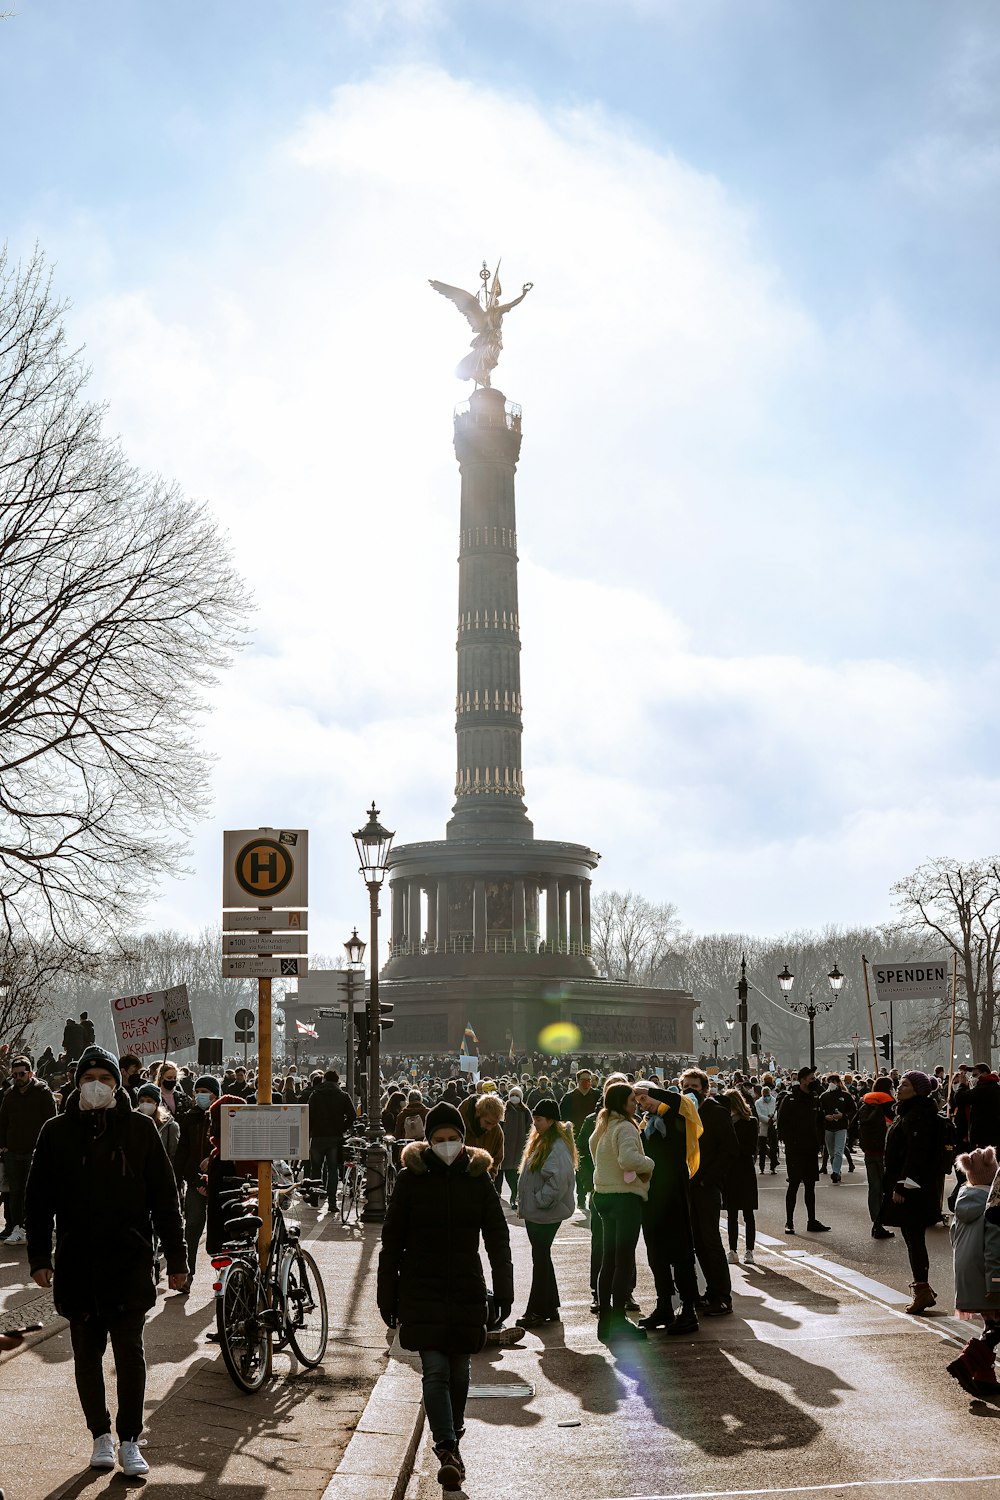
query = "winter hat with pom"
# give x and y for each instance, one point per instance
(980, 1167)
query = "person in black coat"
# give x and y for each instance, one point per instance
(666, 1213)
(914, 1177)
(331, 1115)
(740, 1194)
(718, 1152)
(100, 1175)
(430, 1278)
(800, 1132)
(984, 1111)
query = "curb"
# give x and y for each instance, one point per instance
(378, 1461)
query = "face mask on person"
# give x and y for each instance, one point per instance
(146, 1106)
(203, 1099)
(96, 1095)
(168, 1083)
(446, 1150)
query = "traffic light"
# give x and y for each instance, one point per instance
(755, 1038)
(851, 1064)
(385, 1009)
(361, 1034)
(883, 1043)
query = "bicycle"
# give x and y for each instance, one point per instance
(355, 1183)
(259, 1312)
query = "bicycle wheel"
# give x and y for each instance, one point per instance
(243, 1338)
(390, 1179)
(348, 1191)
(304, 1297)
(359, 1193)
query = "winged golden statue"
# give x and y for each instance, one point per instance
(485, 312)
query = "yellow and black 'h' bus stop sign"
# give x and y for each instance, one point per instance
(265, 867)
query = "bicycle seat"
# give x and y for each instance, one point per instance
(236, 1228)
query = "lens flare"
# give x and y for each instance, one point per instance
(561, 1036)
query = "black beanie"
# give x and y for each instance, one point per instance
(96, 1057)
(444, 1114)
(548, 1108)
(208, 1084)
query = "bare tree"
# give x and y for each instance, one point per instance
(632, 937)
(119, 605)
(960, 905)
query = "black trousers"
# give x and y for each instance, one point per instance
(666, 1230)
(621, 1221)
(90, 1339)
(706, 1206)
(543, 1299)
(915, 1238)
(801, 1170)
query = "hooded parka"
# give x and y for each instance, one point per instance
(103, 1178)
(430, 1277)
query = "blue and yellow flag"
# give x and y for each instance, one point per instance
(470, 1043)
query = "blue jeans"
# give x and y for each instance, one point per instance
(446, 1388)
(836, 1140)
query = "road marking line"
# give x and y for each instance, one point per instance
(949, 1329)
(812, 1489)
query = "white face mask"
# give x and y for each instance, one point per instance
(146, 1106)
(96, 1095)
(447, 1150)
(203, 1099)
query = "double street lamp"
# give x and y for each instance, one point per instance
(699, 1021)
(373, 843)
(809, 1007)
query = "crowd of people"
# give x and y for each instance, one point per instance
(117, 1161)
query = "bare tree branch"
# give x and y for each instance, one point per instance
(119, 607)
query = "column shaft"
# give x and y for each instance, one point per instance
(519, 920)
(443, 932)
(479, 916)
(552, 932)
(413, 933)
(576, 914)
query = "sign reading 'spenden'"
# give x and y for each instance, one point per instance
(912, 979)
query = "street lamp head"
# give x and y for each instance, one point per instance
(373, 844)
(730, 1022)
(699, 1021)
(786, 979)
(836, 979)
(355, 948)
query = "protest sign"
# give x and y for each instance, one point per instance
(154, 1024)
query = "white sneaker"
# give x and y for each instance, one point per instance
(748, 1259)
(131, 1459)
(17, 1236)
(734, 1258)
(103, 1456)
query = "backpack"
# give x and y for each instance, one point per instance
(413, 1127)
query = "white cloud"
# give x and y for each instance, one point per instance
(294, 367)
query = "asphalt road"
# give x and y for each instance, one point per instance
(845, 1208)
(818, 1384)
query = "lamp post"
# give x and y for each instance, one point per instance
(809, 1008)
(742, 992)
(373, 843)
(355, 950)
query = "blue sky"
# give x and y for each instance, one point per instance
(759, 373)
